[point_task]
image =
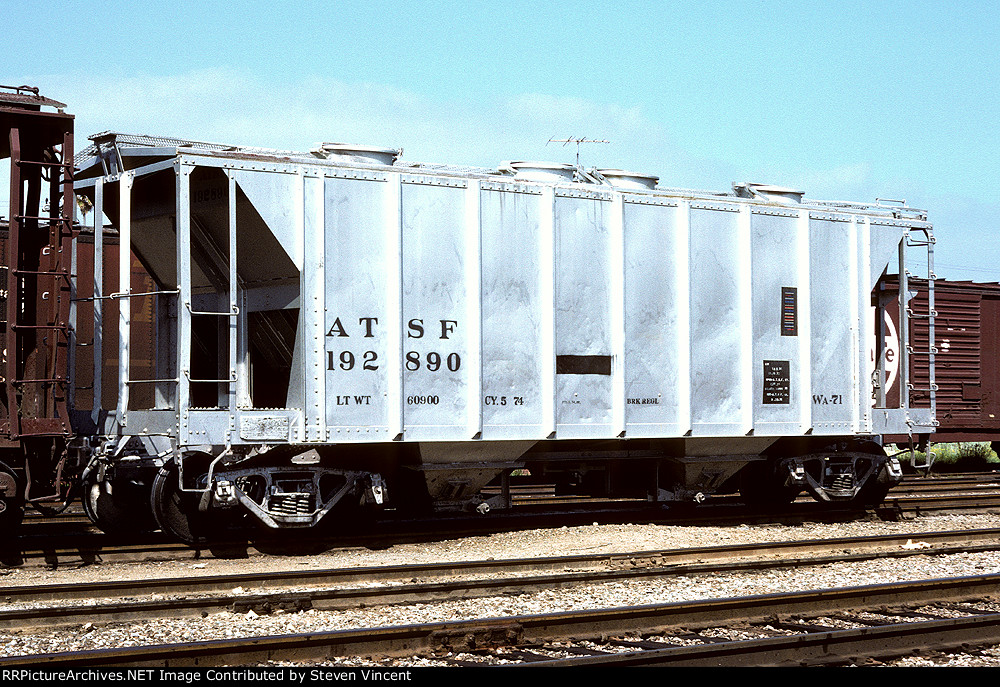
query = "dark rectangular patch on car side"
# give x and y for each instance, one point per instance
(789, 311)
(583, 364)
(777, 382)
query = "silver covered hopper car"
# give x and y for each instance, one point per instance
(339, 329)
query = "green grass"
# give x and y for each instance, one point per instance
(971, 456)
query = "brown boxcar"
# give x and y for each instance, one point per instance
(966, 384)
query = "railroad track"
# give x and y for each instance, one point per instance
(817, 627)
(340, 589)
(788, 629)
(505, 640)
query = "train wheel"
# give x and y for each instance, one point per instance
(760, 486)
(90, 499)
(115, 514)
(176, 511)
(873, 493)
(11, 501)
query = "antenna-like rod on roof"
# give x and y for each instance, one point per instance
(577, 141)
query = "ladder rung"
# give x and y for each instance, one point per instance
(47, 218)
(61, 327)
(42, 273)
(64, 165)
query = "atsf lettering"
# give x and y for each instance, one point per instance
(368, 328)
(415, 328)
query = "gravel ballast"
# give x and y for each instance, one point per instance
(553, 542)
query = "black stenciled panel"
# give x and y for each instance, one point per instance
(777, 382)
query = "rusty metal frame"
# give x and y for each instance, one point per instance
(35, 423)
(38, 317)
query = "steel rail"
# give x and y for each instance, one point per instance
(922, 504)
(834, 647)
(409, 640)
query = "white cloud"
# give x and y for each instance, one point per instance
(233, 106)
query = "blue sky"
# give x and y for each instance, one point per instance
(846, 101)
